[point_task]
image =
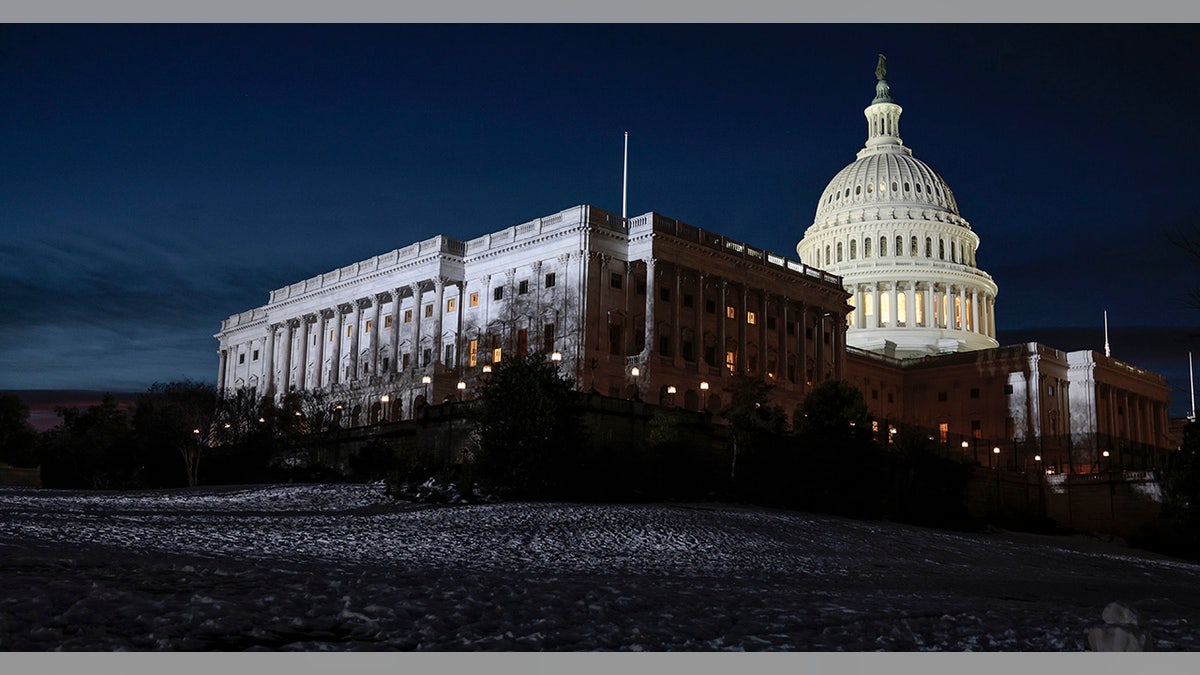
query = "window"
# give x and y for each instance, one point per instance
(875, 394)
(710, 355)
(366, 369)
(349, 331)
(332, 331)
(255, 356)
(730, 312)
(385, 363)
(614, 280)
(928, 247)
(664, 345)
(751, 318)
(522, 343)
(498, 293)
(408, 316)
(867, 248)
(839, 251)
(731, 360)
(664, 294)
(913, 250)
(451, 305)
(752, 363)
(387, 321)
(976, 429)
(943, 427)
(426, 357)
(368, 325)
(853, 249)
(770, 323)
(710, 306)
(641, 288)
(242, 357)
(548, 337)
(941, 250)
(899, 245)
(791, 328)
(891, 397)
(472, 353)
(882, 246)
(474, 301)
(942, 397)
(1050, 391)
(523, 287)
(687, 300)
(496, 355)
(614, 338)
(549, 280)
(428, 310)
(688, 354)
(449, 360)
(975, 392)
(404, 360)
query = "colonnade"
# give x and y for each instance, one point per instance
(923, 304)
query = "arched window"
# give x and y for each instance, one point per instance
(928, 247)
(895, 188)
(918, 187)
(867, 247)
(827, 258)
(941, 249)
(885, 308)
(901, 308)
(953, 252)
(853, 249)
(882, 247)
(899, 245)
(839, 250)
(914, 248)
(907, 187)
(858, 189)
(870, 188)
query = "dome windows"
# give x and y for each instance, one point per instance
(853, 249)
(918, 187)
(857, 189)
(870, 188)
(895, 188)
(907, 187)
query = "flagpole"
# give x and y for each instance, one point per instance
(625, 177)
(1107, 351)
(1192, 383)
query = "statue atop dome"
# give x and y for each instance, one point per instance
(882, 91)
(881, 69)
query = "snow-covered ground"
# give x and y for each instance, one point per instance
(344, 567)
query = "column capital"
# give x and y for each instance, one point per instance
(383, 296)
(415, 287)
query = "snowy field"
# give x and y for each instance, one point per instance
(343, 567)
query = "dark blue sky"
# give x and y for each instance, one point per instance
(155, 179)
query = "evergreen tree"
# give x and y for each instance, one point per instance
(18, 439)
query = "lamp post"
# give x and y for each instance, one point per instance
(704, 396)
(1107, 461)
(556, 356)
(996, 453)
(964, 449)
(634, 372)
(462, 386)
(425, 380)
(384, 400)
(671, 392)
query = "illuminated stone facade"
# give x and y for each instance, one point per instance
(579, 283)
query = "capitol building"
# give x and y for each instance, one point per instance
(888, 294)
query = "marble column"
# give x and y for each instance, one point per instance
(269, 361)
(302, 365)
(286, 349)
(397, 316)
(320, 379)
(376, 328)
(416, 329)
(650, 328)
(356, 324)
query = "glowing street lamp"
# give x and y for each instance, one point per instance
(384, 400)
(634, 372)
(425, 380)
(556, 356)
(996, 452)
(671, 392)
(461, 386)
(704, 395)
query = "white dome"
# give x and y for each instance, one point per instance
(888, 225)
(886, 179)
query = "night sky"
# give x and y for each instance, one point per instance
(155, 179)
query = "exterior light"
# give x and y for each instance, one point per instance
(556, 356)
(195, 431)
(996, 450)
(703, 386)
(1105, 453)
(892, 431)
(1037, 458)
(487, 368)
(227, 425)
(671, 389)
(385, 398)
(634, 371)
(425, 379)
(297, 413)
(461, 385)
(965, 445)
(261, 420)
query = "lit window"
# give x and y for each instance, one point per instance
(408, 316)
(387, 321)
(451, 305)
(428, 310)
(902, 309)
(885, 308)
(751, 317)
(475, 299)
(730, 312)
(331, 334)
(349, 331)
(472, 353)
(731, 360)
(368, 325)
(496, 354)
(943, 427)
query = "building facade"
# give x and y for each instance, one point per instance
(648, 306)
